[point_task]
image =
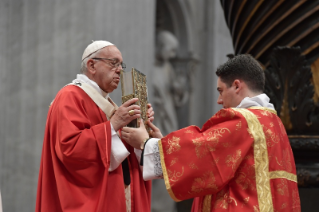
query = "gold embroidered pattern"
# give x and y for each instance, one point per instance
(226, 113)
(205, 182)
(271, 137)
(175, 175)
(256, 208)
(261, 161)
(284, 205)
(193, 166)
(234, 160)
(223, 199)
(238, 126)
(207, 203)
(282, 188)
(264, 108)
(165, 174)
(208, 142)
(173, 145)
(286, 162)
(271, 124)
(245, 202)
(173, 161)
(245, 177)
(266, 113)
(284, 175)
(189, 131)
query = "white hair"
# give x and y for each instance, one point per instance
(84, 62)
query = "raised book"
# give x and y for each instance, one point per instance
(133, 84)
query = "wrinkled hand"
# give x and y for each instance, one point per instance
(135, 136)
(155, 132)
(150, 112)
(122, 117)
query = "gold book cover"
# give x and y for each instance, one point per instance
(133, 84)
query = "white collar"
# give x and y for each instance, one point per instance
(261, 100)
(85, 79)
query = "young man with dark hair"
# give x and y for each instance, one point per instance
(240, 160)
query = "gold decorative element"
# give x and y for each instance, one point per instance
(284, 175)
(134, 86)
(165, 174)
(284, 205)
(206, 182)
(131, 112)
(271, 124)
(207, 203)
(225, 113)
(286, 162)
(127, 97)
(193, 166)
(282, 188)
(173, 145)
(173, 161)
(315, 79)
(271, 137)
(246, 179)
(264, 108)
(238, 126)
(245, 201)
(261, 161)
(175, 175)
(209, 141)
(234, 160)
(223, 199)
(256, 208)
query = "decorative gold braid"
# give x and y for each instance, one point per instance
(284, 175)
(261, 161)
(264, 108)
(207, 203)
(166, 178)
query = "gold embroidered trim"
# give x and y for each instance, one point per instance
(166, 178)
(207, 203)
(284, 175)
(264, 108)
(261, 160)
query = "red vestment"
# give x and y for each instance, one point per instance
(75, 159)
(241, 160)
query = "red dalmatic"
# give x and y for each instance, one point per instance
(241, 160)
(75, 159)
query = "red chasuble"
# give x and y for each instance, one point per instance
(241, 160)
(75, 159)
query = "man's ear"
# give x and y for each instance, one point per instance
(238, 85)
(90, 66)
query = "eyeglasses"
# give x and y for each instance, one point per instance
(113, 63)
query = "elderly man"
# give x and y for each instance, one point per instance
(85, 166)
(240, 160)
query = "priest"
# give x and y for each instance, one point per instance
(240, 160)
(85, 166)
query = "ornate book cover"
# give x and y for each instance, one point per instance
(133, 84)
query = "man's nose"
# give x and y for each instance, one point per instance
(219, 101)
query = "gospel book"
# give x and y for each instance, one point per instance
(133, 84)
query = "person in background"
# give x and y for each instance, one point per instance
(240, 160)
